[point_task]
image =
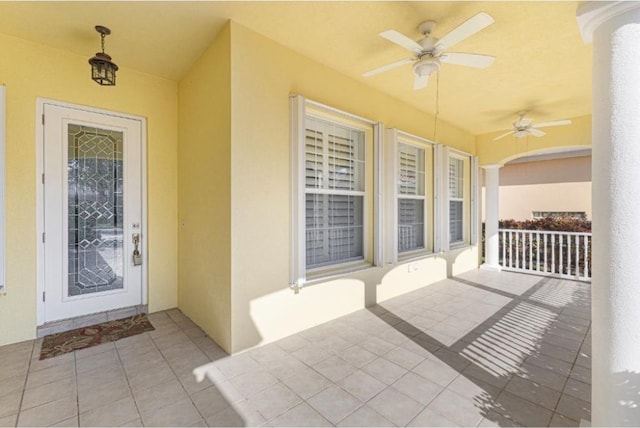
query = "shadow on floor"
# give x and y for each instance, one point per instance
(519, 364)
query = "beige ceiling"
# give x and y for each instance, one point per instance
(541, 66)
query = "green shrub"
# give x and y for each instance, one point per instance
(563, 224)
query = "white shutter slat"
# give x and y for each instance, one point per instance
(334, 212)
(410, 187)
(456, 202)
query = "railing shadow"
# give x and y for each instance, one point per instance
(516, 357)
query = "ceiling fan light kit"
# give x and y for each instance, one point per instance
(428, 52)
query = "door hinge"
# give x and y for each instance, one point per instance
(43, 237)
(43, 119)
(43, 296)
(42, 178)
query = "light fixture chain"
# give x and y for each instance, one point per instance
(102, 41)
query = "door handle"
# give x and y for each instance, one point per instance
(137, 257)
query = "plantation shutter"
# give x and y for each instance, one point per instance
(334, 193)
(456, 200)
(411, 192)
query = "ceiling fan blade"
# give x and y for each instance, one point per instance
(388, 67)
(402, 40)
(536, 132)
(468, 28)
(467, 59)
(503, 135)
(420, 82)
(552, 123)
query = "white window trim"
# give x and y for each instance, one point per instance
(440, 199)
(393, 138)
(474, 200)
(298, 269)
(448, 152)
(3, 123)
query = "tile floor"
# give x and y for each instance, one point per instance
(481, 349)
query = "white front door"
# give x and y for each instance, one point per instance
(92, 208)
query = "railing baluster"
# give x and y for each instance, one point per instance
(538, 251)
(586, 251)
(568, 255)
(517, 250)
(545, 253)
(561, 265)
(511, 249)
(577, 256)
(530, 251)
(504, 249)
(553, 253)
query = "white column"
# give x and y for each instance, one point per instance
(492, 216)
(614, 28)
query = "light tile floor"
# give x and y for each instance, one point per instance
(481, 349)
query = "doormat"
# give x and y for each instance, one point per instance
(85, 337)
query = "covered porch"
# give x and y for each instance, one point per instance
(479, 349)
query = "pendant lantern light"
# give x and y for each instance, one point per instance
(103, 70)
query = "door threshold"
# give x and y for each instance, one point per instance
(87, 320)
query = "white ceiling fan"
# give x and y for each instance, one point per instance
(524, 127)
(428, 52)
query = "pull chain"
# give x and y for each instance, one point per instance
(435, 116)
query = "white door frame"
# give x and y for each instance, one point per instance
(40, 284)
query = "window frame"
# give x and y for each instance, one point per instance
(300, 109)
(470, 199)
(3, 113)
(394, 138)
(461, 182)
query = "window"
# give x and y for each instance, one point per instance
(332, 191)
(411, 197)
(409, 186)
(456, 200)
(460, 187)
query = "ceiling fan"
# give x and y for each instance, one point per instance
(524, 127)
(428, 52)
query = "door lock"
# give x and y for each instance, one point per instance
(137, 257)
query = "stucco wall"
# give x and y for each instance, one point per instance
(549, 185)
(552, 185)
(204, 177)
(31, 70)
(264, 309)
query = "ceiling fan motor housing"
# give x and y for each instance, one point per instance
(426, 66)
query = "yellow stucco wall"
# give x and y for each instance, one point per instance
(204, 176)
(263, 306)
(32, 70)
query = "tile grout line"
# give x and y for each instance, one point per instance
(24, 385)
(573, 365)
(173, 371)
(135, 403)
(75, 369)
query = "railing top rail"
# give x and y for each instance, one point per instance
(548, 232)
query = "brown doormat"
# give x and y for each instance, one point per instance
(85, 337)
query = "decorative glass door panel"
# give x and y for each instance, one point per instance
(92, 216)
(95, 210)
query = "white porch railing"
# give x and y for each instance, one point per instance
(562, 254)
